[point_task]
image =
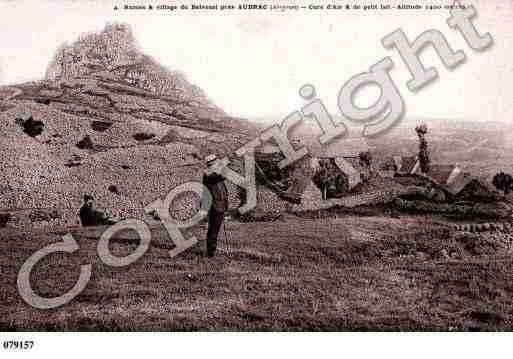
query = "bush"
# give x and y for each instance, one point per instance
(101, 126)
(112, 188)
(86, 143)
(142, 136)
(476, 191)
(43, 101)
(503, 182)
(330, 178)
(365, 159)
(31, 127)
(4, 218)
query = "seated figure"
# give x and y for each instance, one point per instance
(90, 216)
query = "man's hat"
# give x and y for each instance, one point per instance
(210, 158)
(88, 197)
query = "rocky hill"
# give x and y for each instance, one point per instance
(107, 120)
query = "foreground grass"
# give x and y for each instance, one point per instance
(333, 274)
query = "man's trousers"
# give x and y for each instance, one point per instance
(215, 221)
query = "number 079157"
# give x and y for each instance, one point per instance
(18, 344)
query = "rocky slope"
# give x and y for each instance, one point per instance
(112, 118)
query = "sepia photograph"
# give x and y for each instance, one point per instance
(340, 166)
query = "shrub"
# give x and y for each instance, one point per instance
(503, 182)
(329, 179)
(101, 126)
(4, 218)
(86, 143)
(388, 165)
(43, 101)
(365, 159)
(142, 136)
(31, 127)
(114, 189)
(73, 164)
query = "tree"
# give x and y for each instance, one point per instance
(4, 218)
(365, 159)
(503, 182)
(329, 179)
(320, 177)
(423, 155)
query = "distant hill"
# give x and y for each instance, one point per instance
(482, 147)
(478, 147)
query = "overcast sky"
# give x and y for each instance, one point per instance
(252, 64)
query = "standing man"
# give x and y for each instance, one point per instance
(214, 182)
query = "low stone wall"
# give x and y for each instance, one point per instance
(484, 227)
(312, 199)
(483, 210)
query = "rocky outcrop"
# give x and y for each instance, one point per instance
(113, 54)
(100, 102)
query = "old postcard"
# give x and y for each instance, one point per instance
(339, 166)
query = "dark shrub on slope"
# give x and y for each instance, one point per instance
(85, 144)
(101, 126)
(4, 218)
(31, 127)
(141, 136)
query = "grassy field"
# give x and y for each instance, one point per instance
(350, 273)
